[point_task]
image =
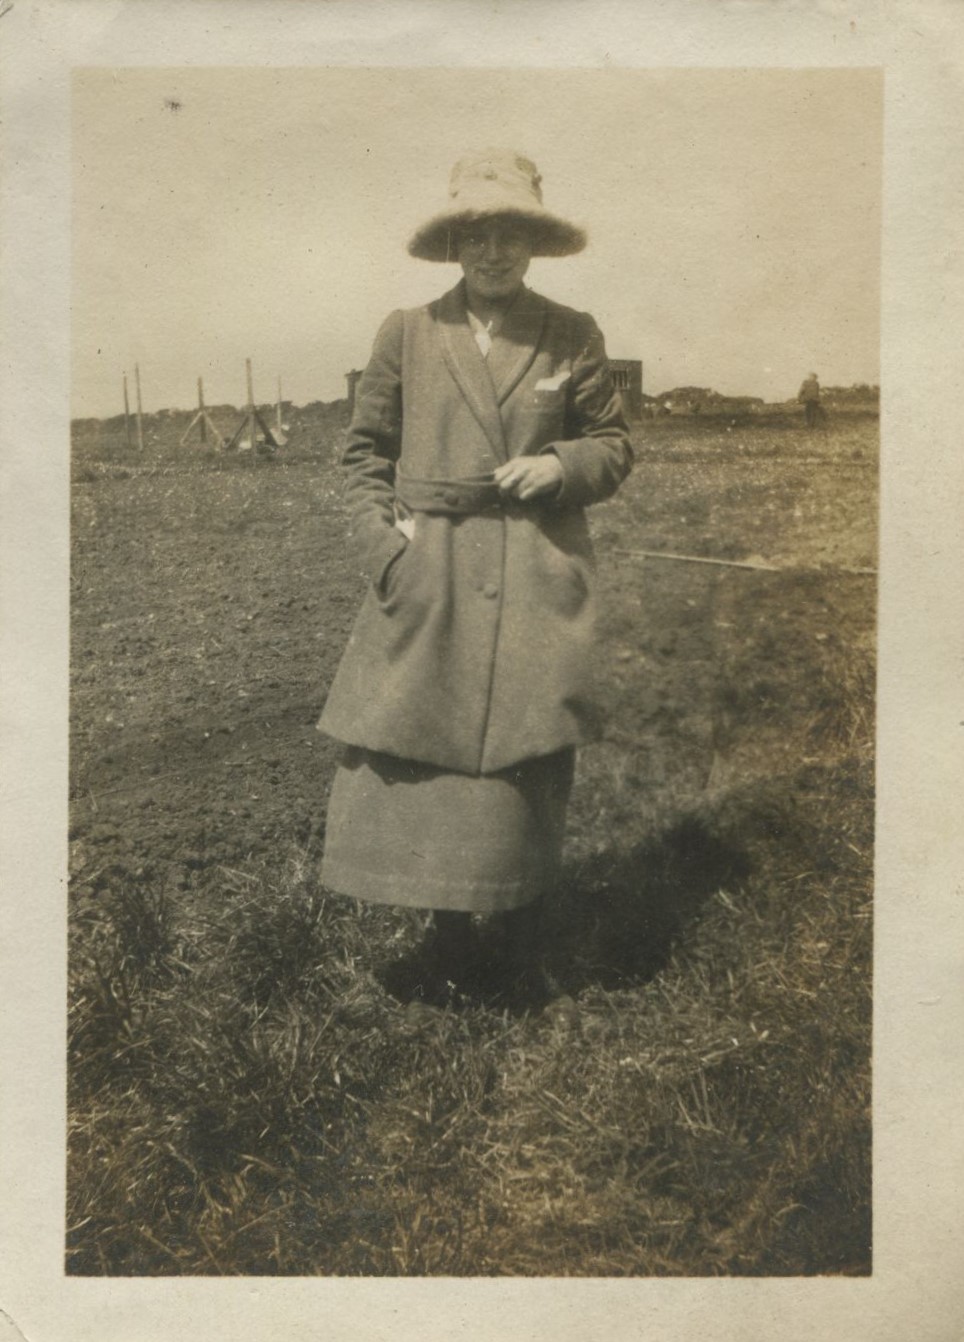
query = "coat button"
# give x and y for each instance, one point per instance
(451, 498)
(490, 590)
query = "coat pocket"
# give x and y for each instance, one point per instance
(387, 581)
(559, 581)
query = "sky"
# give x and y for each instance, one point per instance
(220, 214)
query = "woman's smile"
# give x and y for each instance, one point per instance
(494, 255)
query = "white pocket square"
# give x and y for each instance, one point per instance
(552, 383)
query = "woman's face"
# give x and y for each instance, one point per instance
(494, 255)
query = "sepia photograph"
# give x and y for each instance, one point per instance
(473, 591)
(480, 670)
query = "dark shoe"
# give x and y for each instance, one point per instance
(530, 989)
(410, 978)
(440, 970)
(513, 970)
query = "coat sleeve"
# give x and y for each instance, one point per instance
(374, 443)
(596, 455)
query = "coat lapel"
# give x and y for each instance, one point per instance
(465, 363)
(515, 346)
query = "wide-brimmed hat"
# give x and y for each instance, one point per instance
(496, 182)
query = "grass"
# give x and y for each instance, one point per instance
(245, 1098)
(248, 1100)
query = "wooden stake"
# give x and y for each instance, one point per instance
(252, 425)
(253, 420)
(127, 413)
(206, 423)
(140, 426)
(278, 416)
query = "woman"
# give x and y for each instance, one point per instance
(484, 424)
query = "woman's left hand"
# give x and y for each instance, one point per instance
(530, 477)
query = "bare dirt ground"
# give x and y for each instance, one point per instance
(212, 598)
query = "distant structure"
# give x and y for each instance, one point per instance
(352, 380)
(205, 424)
(253, 420)
(697, 401)
(628, 380)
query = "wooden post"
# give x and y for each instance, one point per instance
(278, 416)
(252, 420)
(206, 423)
(140, 426)
(127, 413)
(252, 423)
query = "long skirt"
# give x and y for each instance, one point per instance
(400, 832)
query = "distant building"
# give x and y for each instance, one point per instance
(628, 379)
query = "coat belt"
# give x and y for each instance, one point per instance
(472, 494)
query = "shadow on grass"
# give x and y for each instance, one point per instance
(617, 916)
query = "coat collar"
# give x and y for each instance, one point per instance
(516, 344)
(483, 387)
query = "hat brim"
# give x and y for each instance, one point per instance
(551, 236)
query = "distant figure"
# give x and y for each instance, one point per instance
(809, 394)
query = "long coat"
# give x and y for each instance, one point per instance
(473, 649)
